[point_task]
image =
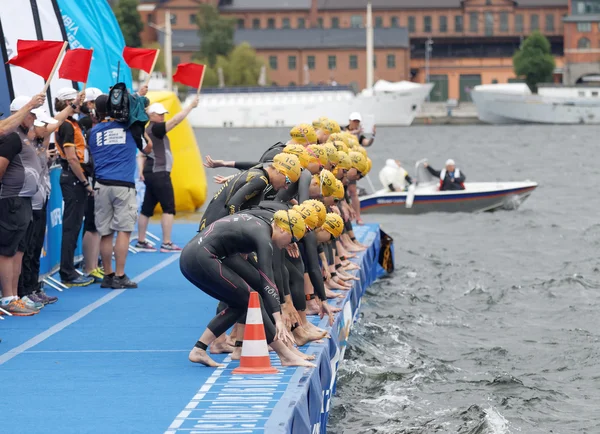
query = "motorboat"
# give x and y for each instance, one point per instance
(426, 197)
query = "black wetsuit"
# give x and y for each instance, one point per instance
(202, 262)
(244, 190)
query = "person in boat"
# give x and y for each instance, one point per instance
(355, 128)
(394, 177)
(451, 178)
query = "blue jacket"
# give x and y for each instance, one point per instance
(114, 150)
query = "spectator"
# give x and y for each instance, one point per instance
(74, 184)
(29, 288)
(113, 149)
(19, 176)
(11, 123)
(157, 176)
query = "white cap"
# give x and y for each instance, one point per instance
(91, 93)
(157, 108)
(18, 103)
(450, 162)
(355, 116)
(42, 117)
(67, 93)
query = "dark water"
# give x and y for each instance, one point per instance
(489, 324)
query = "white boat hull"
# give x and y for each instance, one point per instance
(271, 109)
(476, 197)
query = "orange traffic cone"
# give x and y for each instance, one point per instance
(255, 354)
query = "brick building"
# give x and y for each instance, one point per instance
(472, 41)
(582, 40)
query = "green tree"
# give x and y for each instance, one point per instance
(216, 33)
(129, 21)
(244, 66)
(534, 61)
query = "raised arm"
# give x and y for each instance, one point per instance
(179, 117)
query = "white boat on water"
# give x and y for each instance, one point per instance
(426, 197)
(389, 103)
(554, 104)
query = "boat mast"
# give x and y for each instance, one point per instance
(369, 46)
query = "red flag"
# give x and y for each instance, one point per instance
(38, 57)
(75, 65)
(189, 74)
(140, 58)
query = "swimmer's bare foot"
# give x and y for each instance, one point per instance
(331, 294)
(221, 348)
(288, 358)
(299, 353)
(332, 284)
(199, 356)
(237, 353)
(304, 335)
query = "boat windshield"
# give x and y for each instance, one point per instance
(423, 176)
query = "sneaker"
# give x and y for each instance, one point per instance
(18, 308)
(79, 281)
(97, 275)
(145, 246)
(46, 299)
(123, 282)
(169, 248)
(35, 298)
(107, 282)
(31, 304)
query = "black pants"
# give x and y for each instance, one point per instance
(223, 283)
(75, 197)
(295, 267)
(159, 189)
(30, 270)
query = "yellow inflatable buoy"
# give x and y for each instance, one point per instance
(189, 179)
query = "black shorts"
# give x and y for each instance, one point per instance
(15, 215)
(89, 224)
(159, 189)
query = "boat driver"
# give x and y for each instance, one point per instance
(451, 178)
(394, 177)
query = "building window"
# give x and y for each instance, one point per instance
(534, 22)
(489, 23)
(411, 24)
(582, 7)
(271, 23)
(310, 61)
(356, 21)
(291, 62)
(149, 19)
(331, 62)
(241, 23)
(504, 21)
(584, 27)
(391, 61)
(335, 23)
(320, 23)
(192, 18)
(584, 43)
(173, 19)
(374, 61)
(394, 22)
(443, 24)
(458, 23)
(494, 81)
(519, 23)
(285, 23)
(353, 61)
(273, 62)
(378, 22)
(256, 23)
(549, 22)
(473, 22)
(301, 23)
(427, 24)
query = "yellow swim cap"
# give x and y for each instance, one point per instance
(345, 161)
(290, 221)
(317, 124)
(359, 162)
(333, 224)
(319, 153)
(300, 152)
(337, 136)
(327, 180)
(360, 149)
(332, 154)
(339, 190)
(311, 219)
(340, 146)
(319, 209)
(288, 164)
(330, 126)
(304, 134)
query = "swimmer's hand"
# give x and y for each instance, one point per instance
(293, 250)
(221, 179)
(211, 164)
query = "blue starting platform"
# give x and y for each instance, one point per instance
(115, 361)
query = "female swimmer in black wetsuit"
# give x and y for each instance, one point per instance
(201, 263)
